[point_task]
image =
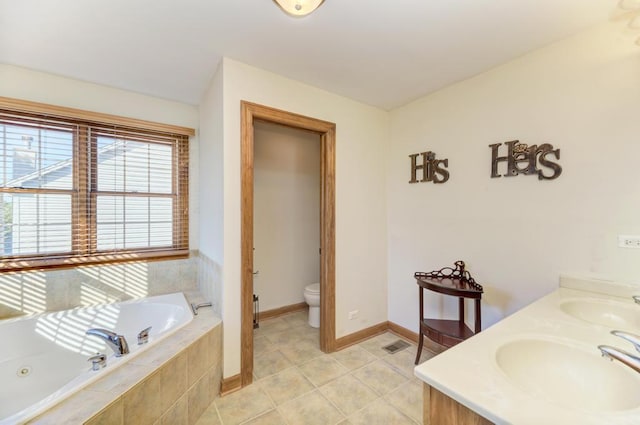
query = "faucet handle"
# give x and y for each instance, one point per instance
(636, 298)
(98, 361)
(634, 339)
(143, 336)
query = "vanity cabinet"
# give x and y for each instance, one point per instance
(439, 409)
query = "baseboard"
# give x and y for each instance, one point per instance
(230, 385)
(360, 336)
(403, 332)
(280, 311)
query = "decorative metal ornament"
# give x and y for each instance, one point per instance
(524, 159)
(447, 272)
(433, 170)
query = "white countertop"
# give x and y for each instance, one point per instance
(470, 374)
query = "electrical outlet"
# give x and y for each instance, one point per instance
(629, 241)
(353, 314)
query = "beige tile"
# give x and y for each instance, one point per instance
(262, 345)
(173, 378)
(301, 352)
(374, 345)
(178, 414)
(322, 370)
(75, 410)
(283, 337)
(407, 398)
(354, 357)
(211, 343)
(215, 378)
(110, 415)
(216, 343)
(242, 405)
(122, 379)
(199, 398)
(142, 401)
(310, 409)
(286, 385)
(272, 417)
(270, 363)
(380, 413)
(210, 416)
(198, 354)
(380, 376)
(402, 362)
(348, 394)
(270, 326)
(299, 318)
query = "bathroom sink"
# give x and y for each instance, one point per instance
(612, 314)
(569, 376)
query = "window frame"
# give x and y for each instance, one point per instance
(84, 193)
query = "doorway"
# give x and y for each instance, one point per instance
(251, 113)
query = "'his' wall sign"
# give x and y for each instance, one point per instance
(433, 170)
(523, 159)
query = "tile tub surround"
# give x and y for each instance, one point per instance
(493, 396)
(172, 384)
(37, 291)
(295, 383)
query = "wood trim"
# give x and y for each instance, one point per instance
(440, 409)
(250, 112)
(403, 332)
(280, 311)
(64, 112)
(8, 265)
(362, 335)
(231, 384)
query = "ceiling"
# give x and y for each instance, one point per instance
(383, 53)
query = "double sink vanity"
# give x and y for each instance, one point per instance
(543, 364)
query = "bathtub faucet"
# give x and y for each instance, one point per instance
(116, 342)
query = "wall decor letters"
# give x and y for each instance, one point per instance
(524, 159)
(433, 170)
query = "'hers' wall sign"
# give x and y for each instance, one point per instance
(433, 170)
(524, 159)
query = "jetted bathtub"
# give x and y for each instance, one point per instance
(44, 358)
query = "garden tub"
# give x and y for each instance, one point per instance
(44, 358)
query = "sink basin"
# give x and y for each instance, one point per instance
(569, 376)
(612, 314)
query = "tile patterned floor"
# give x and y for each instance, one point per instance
(297, 384)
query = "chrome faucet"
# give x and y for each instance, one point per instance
(634, 339)
(116, 342)
(636, 298)
(622, 356)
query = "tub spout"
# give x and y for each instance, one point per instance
(622, 356)
(116, 342)
(195, 307)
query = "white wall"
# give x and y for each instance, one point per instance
(286, 214)
(362, 134)
(517, 234)
(211, 193)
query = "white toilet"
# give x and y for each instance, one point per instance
(312, 297)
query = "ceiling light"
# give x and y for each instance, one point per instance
(299, 7)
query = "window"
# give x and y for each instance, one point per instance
(78, 191)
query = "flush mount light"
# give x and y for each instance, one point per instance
(299, 7)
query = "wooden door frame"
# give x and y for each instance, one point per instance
(251, 112)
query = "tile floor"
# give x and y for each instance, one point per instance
(297, 384)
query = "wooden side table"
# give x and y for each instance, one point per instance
(457, 283)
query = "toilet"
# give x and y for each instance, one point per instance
(312, 297)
